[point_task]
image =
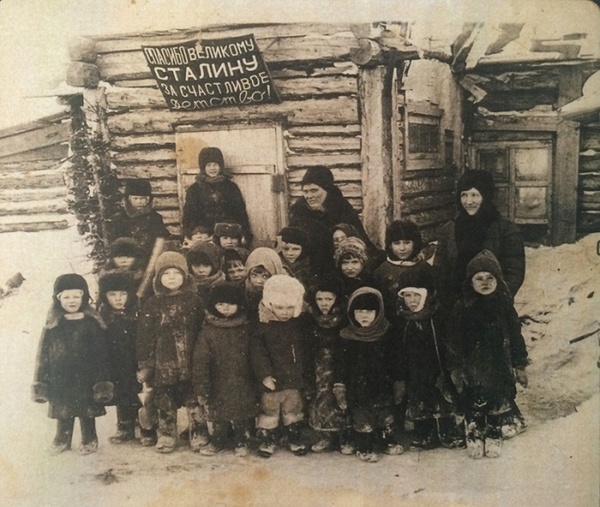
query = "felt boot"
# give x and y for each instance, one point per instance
(89, 438)
(452, 436)
(493, 437)
(426, 435)
(241, 437)
(365, 447)
(266, 447)
(348, 441)
(64, 435)
(198, 431)
(167, 431)
(125, 425)
(474, 436)
(295, 441)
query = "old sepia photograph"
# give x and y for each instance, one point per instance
(338, 253)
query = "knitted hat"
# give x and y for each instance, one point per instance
(138, 187)
(225, 292)
(210, 154)
(294, 235)
(71, 281)
(124, 247)
(320, 176)
(284, 288)
(168, 260)
(230, 229)
(479, 179)
(485, 261)
(403, 230)
(351, 246)
(115, 281)
(205, 253)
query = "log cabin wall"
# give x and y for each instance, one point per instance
(311, 69)
(588, 206)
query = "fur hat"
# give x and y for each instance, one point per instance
(210, 154)
(320, 176)
(231, 229)
(206, 253)
(484, 261)
(284, 288)
(71, 281)
(354, 247)
(403, 230)
(115, 280)
(294, 235)
(138, 187)
(225, 292)
(125, 247)
(479, 179)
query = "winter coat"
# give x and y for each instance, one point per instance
(366, 362)
(222, 371)
(318, 224)
(280, 350)
(207, 203)
(72, 357)
(121, 327)
(502, 238)
(301, 269)
(143, 227)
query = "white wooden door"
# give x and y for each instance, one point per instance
(254, 157)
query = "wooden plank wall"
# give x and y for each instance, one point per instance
(588, 198)
(316, 80)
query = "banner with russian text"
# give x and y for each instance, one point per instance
(193, 76)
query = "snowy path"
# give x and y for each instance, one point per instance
(556, 462)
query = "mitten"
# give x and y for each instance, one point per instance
(521, 376)
(39, 392)
(103, 392)
(399, 391)
(269, 382)
(143, 375)
(459, 380)
(339, 391)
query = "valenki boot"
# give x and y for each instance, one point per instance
(89, 438)
(266, 447)
(295, 443)
(64, 435)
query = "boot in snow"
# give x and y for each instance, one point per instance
(365, 450)
(295, 443)
(323, 444)
(241, 436)
(64, 435)
(210, 450)
(167, 431)
(125, 433)
(165, 444)
(426, 435)
(147, 437)
(347, 442)
(451, 435)
(267, 443)
(475, 447)
(390, 445)
(493, 438)
(89, 438)
(475, 430)
(198, 431)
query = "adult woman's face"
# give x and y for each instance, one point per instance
(471, 200)
(314, 195)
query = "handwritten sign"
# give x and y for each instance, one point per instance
(194, 76)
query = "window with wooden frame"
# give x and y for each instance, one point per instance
(424, 144)
(523, 174)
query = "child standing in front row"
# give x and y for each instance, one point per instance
(71, 371)
(167, 330)
(486, 353)
(222, 375)
(280, 362)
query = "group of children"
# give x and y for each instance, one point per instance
(262, 352)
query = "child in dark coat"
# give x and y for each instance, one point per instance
(168, 327)
(71, 370)
(427, 384)
(327, 307)
(261, 264)
(364, 374)
(204, 262)
(293, 249)
(281, 363)
(213, 197)
(119, 310)
(222, 375)
(351, 261)
(486, 353)
(138, 219)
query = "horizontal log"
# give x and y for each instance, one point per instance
(588, 221)
(36, 165)
(32, 194)
(588, 165)
(515, 122)
(332, 111)
(133, 42)
(172, 216)
(148, 155)
(34, 139)
(311, 86)
(348, 189)
(325, 130)
(429, 217)
(31, 179)
(589, 205)
(54, 152)
(312, 70)
(521, 100)
(326, 159)
(322, 143)
(589, 181)
(33, 223)
(174, 230)
(147, 171)
(46, 206)
(339, 174)
(163, 186)
(491, 136)
(144, 140)
(166, 202)
(590, 139)
(426, 202)
(136, 83)
(517, 81)
(427, 185)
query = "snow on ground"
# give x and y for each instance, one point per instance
(556, 462)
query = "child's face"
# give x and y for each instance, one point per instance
(228, 242)
(471, 200)
(364, 317)
(117, 299)
(71, 300)
(258, 277)
(236, 272)
(123, 262)
(338, 237)
(201, 270)
(484, 283)
(403, 249)
(226, 309)
(200, 236)
(139, 201)
(283, 311)
(411, 300)
(172, 279)
(325, 301)
(290, 251)
(351, 267)
(212, 169)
